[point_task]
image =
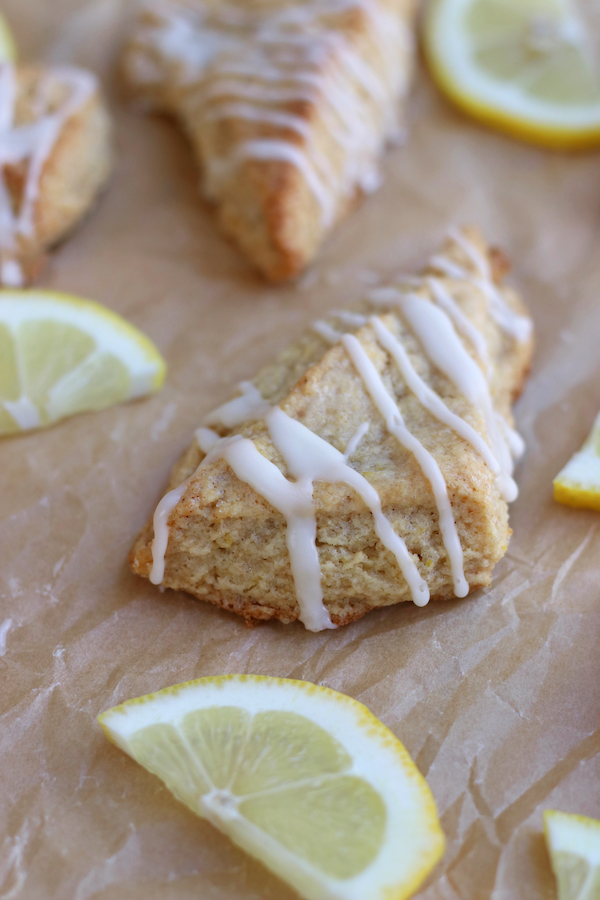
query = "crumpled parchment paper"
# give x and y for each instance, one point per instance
(496, 697)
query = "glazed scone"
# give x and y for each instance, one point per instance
(288, 105)
(55, 156)
(369, 465)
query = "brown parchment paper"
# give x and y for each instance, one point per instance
(496, 697)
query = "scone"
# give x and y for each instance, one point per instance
(369, 465)
(288, 105)
(55, 155)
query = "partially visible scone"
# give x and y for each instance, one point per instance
(288, 105)
(55, 156)
(368, 465)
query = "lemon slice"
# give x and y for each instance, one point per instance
(60, 355)
(578, 484)
(302, 777)
(525, 66)
(8, 47)
(574, 848)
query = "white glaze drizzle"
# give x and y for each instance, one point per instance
(426, 396)
(206, 438)
(511, 322)
(248, 407)
(446, 351)
(444, 298)
(350, 318)
(384, 296)
(513, 438)
(308, 458)
(389, 297)
(160, 524)
(392, 297)
(286, 54)
(327, 331)
(31, 144)
(352, 445)
(429, 399)
(263, 114)
(294, 500)
(394, 422)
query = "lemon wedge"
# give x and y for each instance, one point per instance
(8, 46)
(524, 66)
(574, 848)
(60, 355)
(578, 484)
(303, 778)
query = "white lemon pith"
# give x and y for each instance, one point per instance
(60, 355)
(578, 484)
(8, 47)
(525, 66)
(305, 779)
(574, 847)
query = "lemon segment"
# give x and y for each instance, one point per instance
(574, 847)
(578, 484)
(524, 66)
(305, 779)
(8, 46)
(60, 355)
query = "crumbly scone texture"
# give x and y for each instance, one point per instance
(267, 205)
(74, 172)
(227, 544)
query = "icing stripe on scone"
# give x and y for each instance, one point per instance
(444, 348)
(496, 458)
(429, 467)
(31, 144)
(428, 397)
(234, 62)
(505, 442)
(248, 407)
(444, 298)
(517, 326)
(308, 458)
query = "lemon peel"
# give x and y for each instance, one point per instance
(61, 355)
(578, 483)
(302, 777)
(523, 66)
(574, 846)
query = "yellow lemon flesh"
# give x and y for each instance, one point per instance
(305, 779)
(8, 47)
(527, 67)
(578, 484)
(574, 847)
(60, 355)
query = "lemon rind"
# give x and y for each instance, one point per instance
(17, 310)
(365, 721)
(113, 319)
(560, 827)
(538, 132)
(576, 496)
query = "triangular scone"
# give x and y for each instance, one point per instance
(55, 155)
(417, 397)
(288, 105)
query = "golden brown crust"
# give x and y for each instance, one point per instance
(227, 544)
(73, 174)
(266, 205)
